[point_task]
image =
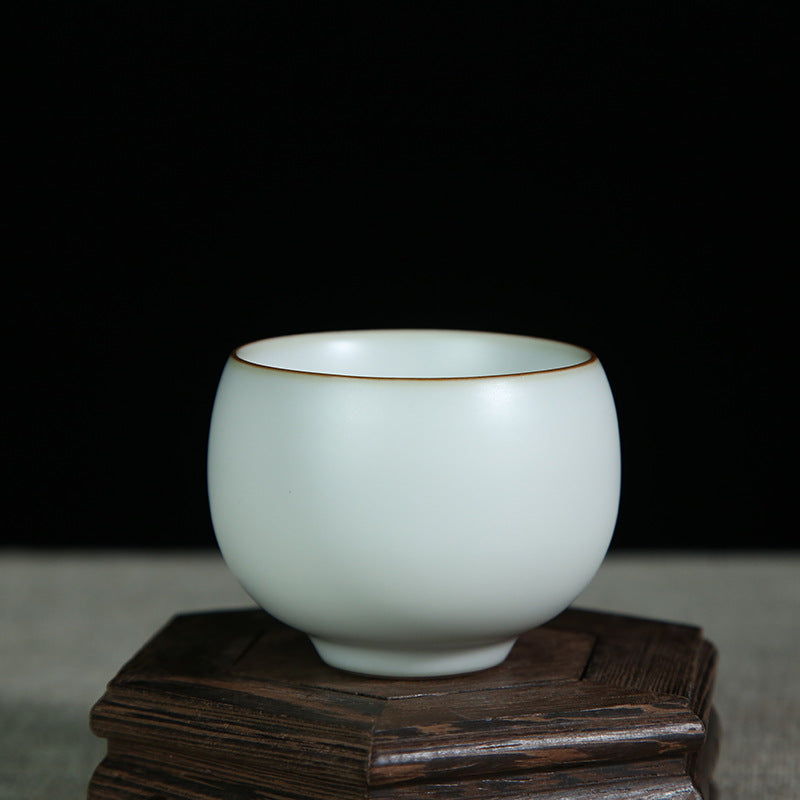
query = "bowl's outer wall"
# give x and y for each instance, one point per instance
(413, 510)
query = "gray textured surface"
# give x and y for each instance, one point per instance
(69, 622)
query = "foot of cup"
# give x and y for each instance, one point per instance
(398, 662)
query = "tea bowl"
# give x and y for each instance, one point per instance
(413, 500)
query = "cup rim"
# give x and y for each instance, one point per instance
(238, 357)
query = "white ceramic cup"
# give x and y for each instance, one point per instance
(413, 500)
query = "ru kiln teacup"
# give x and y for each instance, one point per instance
(413, 500)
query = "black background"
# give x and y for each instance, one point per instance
(197, 175)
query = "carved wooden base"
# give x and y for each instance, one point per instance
(236, 705)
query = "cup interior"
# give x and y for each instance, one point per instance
(410, 353)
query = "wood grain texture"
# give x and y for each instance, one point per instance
(230, 705)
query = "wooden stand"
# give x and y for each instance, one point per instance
(236, 705)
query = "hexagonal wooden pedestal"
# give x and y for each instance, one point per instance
(236, 705)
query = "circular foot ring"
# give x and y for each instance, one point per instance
(400, 662)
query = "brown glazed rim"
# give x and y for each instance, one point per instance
(589, 360)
